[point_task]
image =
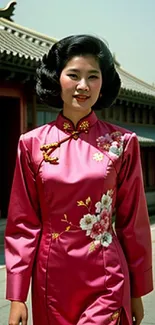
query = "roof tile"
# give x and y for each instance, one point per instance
(132, 83)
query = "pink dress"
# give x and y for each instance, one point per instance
(64, 198)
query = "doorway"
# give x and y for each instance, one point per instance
(9, 135)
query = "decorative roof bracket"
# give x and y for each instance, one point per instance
(7, 12)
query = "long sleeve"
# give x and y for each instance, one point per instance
(23, 227)
(132, 221)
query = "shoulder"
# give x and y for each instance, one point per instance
(32, 141)
(111, 129)
(38, 131)
(116, 140)
(38, 134)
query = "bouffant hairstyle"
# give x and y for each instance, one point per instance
(48, 73)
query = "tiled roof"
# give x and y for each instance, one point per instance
(130, 82)
(21, 42)
(145, 141)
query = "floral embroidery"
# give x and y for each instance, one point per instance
(66, 126)
(98, 156)
(84, 126)
(96, 225)
(56, 234)
(113, 143)
(105, 202)
(116, 316)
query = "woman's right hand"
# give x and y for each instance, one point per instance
(18, 313)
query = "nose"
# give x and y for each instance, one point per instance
(83, 85)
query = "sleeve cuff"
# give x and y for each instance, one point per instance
(141, 284)
(17, 287)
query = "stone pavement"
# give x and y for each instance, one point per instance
(149, 300)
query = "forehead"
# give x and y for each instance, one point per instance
(87, 62)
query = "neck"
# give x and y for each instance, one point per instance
(75, 116)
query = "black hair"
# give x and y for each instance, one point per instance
(48, 73)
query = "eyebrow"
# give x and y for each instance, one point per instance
(89, 71)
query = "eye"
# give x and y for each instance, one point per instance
(72, 76)
(93, 77)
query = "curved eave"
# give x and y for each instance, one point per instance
(11, 58)
(146, 142)
(128, 94)
(8, 54)
(135, 86)
(26, 31)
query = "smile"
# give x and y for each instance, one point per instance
(81, 98)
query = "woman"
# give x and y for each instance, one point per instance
(72, 175)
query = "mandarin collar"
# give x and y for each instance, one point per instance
(67, 126)
(83, 125)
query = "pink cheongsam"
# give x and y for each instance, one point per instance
(69, 185)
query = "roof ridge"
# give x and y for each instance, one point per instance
(151, 87)
(29, 32)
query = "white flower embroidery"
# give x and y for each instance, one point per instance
(113, 143)
(97, 226)
(105, 203)
(116, 151)
(104, 239)
(98, 206)
(98, 156)
(86, 223)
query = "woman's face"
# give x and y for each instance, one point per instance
(80, 81)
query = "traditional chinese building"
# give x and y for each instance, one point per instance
(20, 52)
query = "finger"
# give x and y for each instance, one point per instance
(24, 321)
(21, 322)
(11, 322)
(137, 322)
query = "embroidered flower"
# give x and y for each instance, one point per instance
(96, 226)
(105, 222)
(87, 222)
(96, 230)
(113, 143)
(106, 239)
(98, 156)
(105, 203)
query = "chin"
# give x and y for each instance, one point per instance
(82, 106)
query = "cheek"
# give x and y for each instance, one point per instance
(96, 86)
(66, 84)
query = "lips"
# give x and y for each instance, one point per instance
(81, 98)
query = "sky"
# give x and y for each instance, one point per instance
(127, 25)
